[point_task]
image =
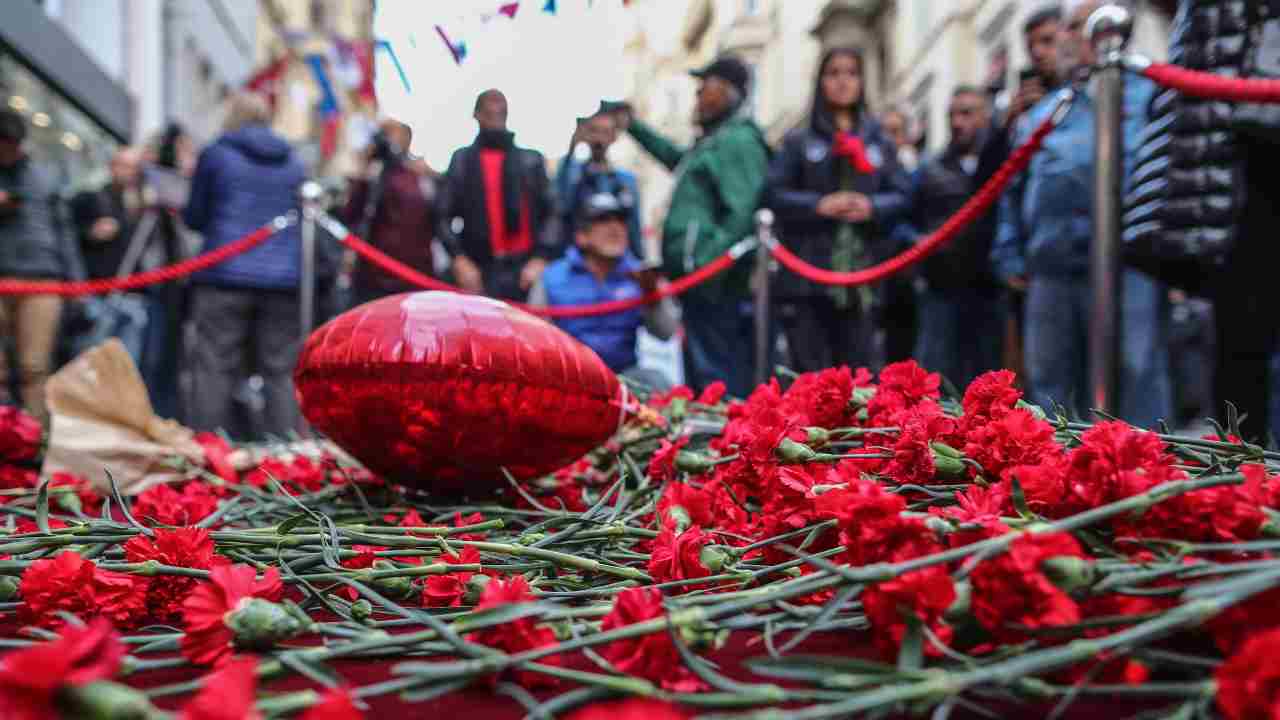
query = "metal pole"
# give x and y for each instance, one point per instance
(1108, 30)
(311, 193)
(764, 233)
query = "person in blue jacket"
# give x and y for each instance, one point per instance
(580, 178)
(1042, 248)
(599, 268)
(245, 310)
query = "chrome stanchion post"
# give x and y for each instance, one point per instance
(311, 194)
(1108, 30)
(764, 234)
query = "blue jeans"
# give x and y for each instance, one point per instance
(1057, 337)
(961, 333)
(718, 344)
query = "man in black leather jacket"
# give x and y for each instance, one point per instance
(1203, 190)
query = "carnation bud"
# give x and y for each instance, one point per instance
(680, 517)
(8, 588)
(817, 436)
(258, 624)
(817, 490)
(394, 586)
(361, 610)
(1068, 573)
(946, 459)
(475, 588)
(714, 558)
(104, 700)
(530, 538)
(677, 408)
(693, 463)
(793, 452)
(959, 608)
(70, 502)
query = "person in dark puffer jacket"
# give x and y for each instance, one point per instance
(247, 177)
(1201, 184)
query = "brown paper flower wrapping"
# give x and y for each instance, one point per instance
(102, 421)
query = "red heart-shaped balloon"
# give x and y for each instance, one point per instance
(439, 391)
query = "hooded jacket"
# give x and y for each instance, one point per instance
(242, 181)
(804, 170)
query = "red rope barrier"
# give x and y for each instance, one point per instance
(968, 213)
(1210, 86)
(169, 273)
(413, 277)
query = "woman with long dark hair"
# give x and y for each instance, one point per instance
(837, 189)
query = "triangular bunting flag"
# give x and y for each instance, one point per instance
(549, 7)
(457, 50)
(509, 9)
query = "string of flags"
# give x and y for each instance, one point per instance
(457, 46)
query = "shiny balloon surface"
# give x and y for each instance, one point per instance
(439, 391)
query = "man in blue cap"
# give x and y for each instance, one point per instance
(599, 268)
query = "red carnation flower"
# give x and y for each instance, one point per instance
(822, 398)
(630, 709)
(902, 385)
(977, 506)
(460, 520)
(335, 704)
(88, 499)
(1011, 591)
(924, 594)
(661, 400)
(31, 678)
(72, 584)
(208, 639)
(518, 635)
(19, 435)
(448, 590)
(698, 503)
(217, 456)
(653, 657)
(712, 394)
(871, 526)
(14, 477)
(300, 473)
(662, 466)
(1232, 627)
(1249, 681)
(1115, 461)
(912, 461)
(677, 556)
(990, 396)
(183, 547)
(192, 502)
(1016, 438)
(228, 694)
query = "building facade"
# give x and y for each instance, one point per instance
(93, 74)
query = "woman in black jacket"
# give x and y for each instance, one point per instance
(837, 190)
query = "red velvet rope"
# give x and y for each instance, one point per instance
(413, 277)
(169, 273)
(967, 214)
(1211, 86)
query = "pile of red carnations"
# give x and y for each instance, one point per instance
(969, 555)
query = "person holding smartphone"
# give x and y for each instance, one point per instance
(599, 268)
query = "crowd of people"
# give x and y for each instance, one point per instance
(849, 188)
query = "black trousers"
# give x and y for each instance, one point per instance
(820, 335)
(1245, 316)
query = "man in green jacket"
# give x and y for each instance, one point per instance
(718, 183)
